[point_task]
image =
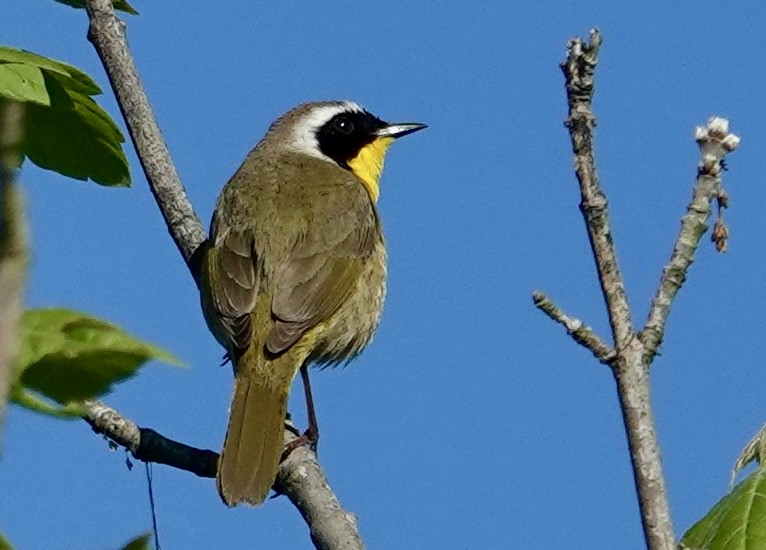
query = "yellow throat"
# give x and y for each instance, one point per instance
(368, 164)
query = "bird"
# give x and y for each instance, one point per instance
(293, 273)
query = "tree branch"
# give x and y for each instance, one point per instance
(14, 255)
(579, 69)
(107, 34)
(630, 369)
(715, 143)
(634, 352)
(302, 480)
(580, 333)
(300, 476)
(147, 445)
(631, 374)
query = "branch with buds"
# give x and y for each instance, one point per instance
(631, 355)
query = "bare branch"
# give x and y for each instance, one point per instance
(107, 34)
(300, 477)
(635, 352)
(579, 69)
(14, 255)
(631, 365)
(715, 143)
(580, 333)
(147, 445)
(631, 373)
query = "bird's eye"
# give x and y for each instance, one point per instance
(344, 125)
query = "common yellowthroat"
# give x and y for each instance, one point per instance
(294, 273)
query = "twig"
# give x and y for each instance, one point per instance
(579, 69)
(715, 143)
(634, 352)
(107, 34)
(147, 445)
(630, 368)
(13, 244)
(580, 333)
(300, 477)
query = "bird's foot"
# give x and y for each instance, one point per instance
(310, 437)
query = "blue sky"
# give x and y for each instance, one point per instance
(471, 421)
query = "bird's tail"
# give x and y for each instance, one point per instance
(250, 457)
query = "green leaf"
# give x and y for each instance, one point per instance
(69, 356)
(65, 130)
(35, 402)
(4, 544)
(139, 543)
(22, 82)
(737, 521)
(75, 137)
(120, 5)
(80, 81)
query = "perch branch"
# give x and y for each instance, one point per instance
(147, 445)
(300, 476)
(107, 34)
(301, 479)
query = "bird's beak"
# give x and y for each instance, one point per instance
(399, 129)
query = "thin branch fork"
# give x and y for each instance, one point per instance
(300, 476)
(634, 351)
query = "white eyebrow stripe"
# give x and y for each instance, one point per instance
(303, 139)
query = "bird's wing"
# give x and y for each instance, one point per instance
(231, 285)
(319, 276)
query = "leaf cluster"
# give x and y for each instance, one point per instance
(67, 357)
(64, 129)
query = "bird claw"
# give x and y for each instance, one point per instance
(309, 438)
